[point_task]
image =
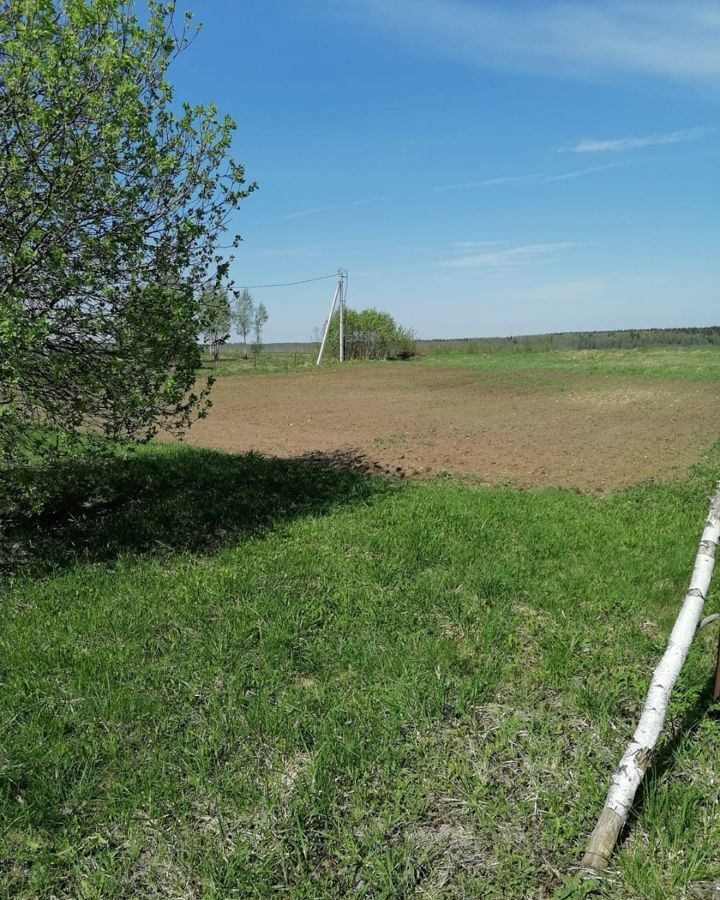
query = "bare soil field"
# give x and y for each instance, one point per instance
(586, 431)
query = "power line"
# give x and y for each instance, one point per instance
(291, 283)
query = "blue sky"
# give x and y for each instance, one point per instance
(479, 168)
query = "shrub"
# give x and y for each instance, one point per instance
(371, 334)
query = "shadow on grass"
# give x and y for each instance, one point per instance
(174, 499)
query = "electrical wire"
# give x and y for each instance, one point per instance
(291, 283)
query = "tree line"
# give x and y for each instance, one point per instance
(619, 339)
(220, 313)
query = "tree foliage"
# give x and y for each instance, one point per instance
(244, 315)
(621, 339)
(112, 202)
(260, 317)
(370, 334)
(216, 315)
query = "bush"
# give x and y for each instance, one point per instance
(371, 334)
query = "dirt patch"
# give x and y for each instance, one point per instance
(590, 432)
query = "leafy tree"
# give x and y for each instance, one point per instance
(217, 318)
(113, 200)
(245, 316)
(259, 321)
(371, 334)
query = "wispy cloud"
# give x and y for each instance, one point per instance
(562, 291)
(475, 245)
(512, 257)
(671, 39)
(614, 145)
(331, 208)
(522, 180)
(516, 180)
(280, 252)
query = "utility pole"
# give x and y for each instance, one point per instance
(339, 300)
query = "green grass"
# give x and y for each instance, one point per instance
(240, 677)
(687, 363)
(265, 363)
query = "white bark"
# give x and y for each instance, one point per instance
(637, 757)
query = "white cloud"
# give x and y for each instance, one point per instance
(594, 145)
(331, 208)
(271, 253)
(581, 173)
(492, 182)
(474, 245)
(521, 180)
(676, 39)
(563, 291)
(512, 257)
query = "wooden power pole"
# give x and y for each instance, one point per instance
(339, 301)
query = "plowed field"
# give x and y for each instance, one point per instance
(590, 432)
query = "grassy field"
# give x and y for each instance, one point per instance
(232, 676)
(692, 364)
(266, 362)
(688, 364)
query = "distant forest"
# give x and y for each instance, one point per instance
(628, 339)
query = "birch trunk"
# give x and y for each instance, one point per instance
(637, 757)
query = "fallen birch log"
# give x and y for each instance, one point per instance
(636, 759)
